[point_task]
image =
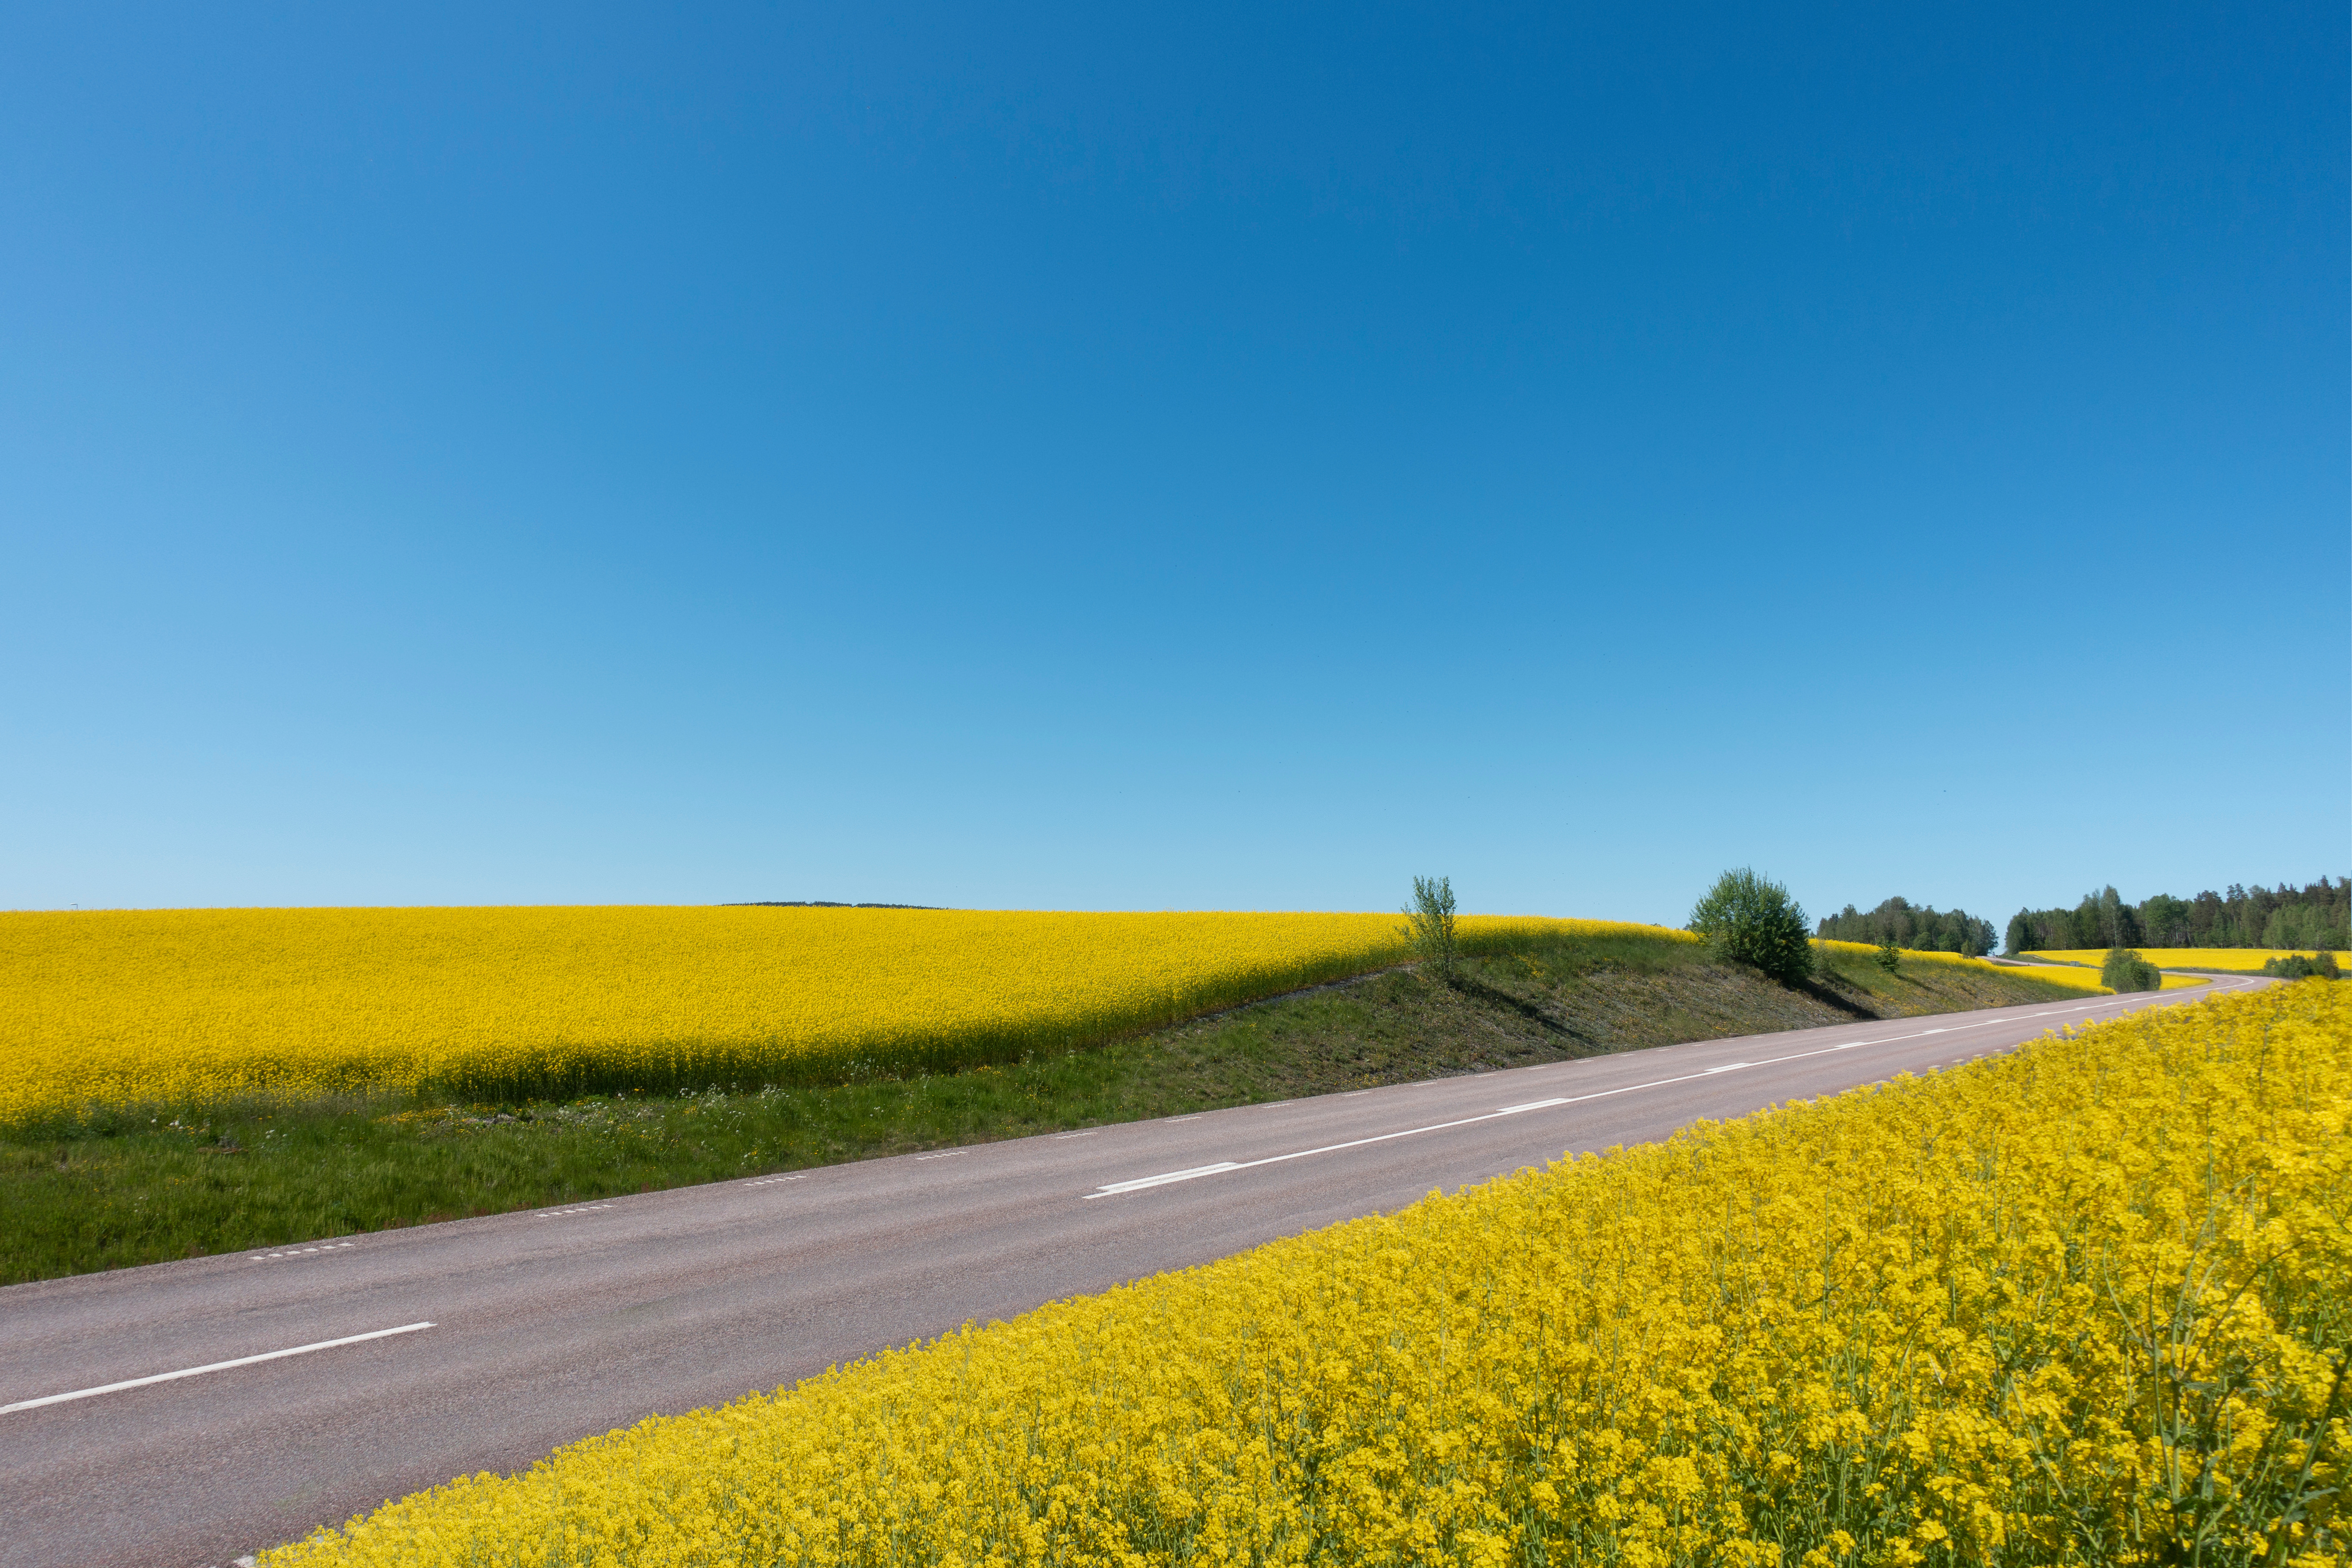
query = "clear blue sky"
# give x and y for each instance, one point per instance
(1111, 458)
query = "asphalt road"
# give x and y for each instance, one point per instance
(522, 1333)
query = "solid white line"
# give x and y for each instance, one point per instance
(216, 1367)
(1141, 1182)
(1138, 1183)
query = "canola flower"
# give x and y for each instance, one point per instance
(2087, 1303)
(125, 1006)
(2234, 960)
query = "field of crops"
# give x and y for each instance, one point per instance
(2235, 960)
(192, 1006)
(2091, 1303)
(2056, 977)
(2074, 978)
(2053, 975)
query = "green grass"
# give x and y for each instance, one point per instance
(159, 1183)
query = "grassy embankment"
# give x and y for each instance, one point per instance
(105, 1191)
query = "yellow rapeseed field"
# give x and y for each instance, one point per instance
(116, 1006)
(2049, 975)
(2088, 1303)
(2236, 960)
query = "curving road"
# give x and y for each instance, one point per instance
(481, 1344)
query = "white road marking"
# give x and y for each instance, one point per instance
(558, 1213)
(303, 1251)
(1088, 1133)
(944, 1154)
(216, 1366)
(1730, 1067)
(1142, 1182)
(770, 1180)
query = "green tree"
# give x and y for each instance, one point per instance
(1749, 919)
(2127, 971)
(2022, 933)
(1429, 925)
(2318, 915)
(1913, 928)
(2164, 921)
(2302, 925)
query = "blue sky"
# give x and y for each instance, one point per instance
(1118, 458)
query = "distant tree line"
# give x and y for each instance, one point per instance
(1916, 927)
(2318, 916)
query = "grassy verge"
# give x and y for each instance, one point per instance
(157, 1185)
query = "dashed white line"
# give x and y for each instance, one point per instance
(303, 1251)
(559, 1214)
(770, 1180)
(216, 1366)
(944, 1154)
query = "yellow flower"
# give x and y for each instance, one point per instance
(116, 1006)
(2083, 1303)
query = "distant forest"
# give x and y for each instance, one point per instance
(2318, 916)
(1920, 927)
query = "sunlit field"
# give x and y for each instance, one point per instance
(2233, 960)
(203, 1005)
(2054, 974)
(2089, 1302)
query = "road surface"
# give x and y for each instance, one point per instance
(481, 1344)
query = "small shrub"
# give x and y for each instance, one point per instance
(1429, 925)
(1888, 957)
(1749, 919)
(2294, 966)
(2127, 971)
